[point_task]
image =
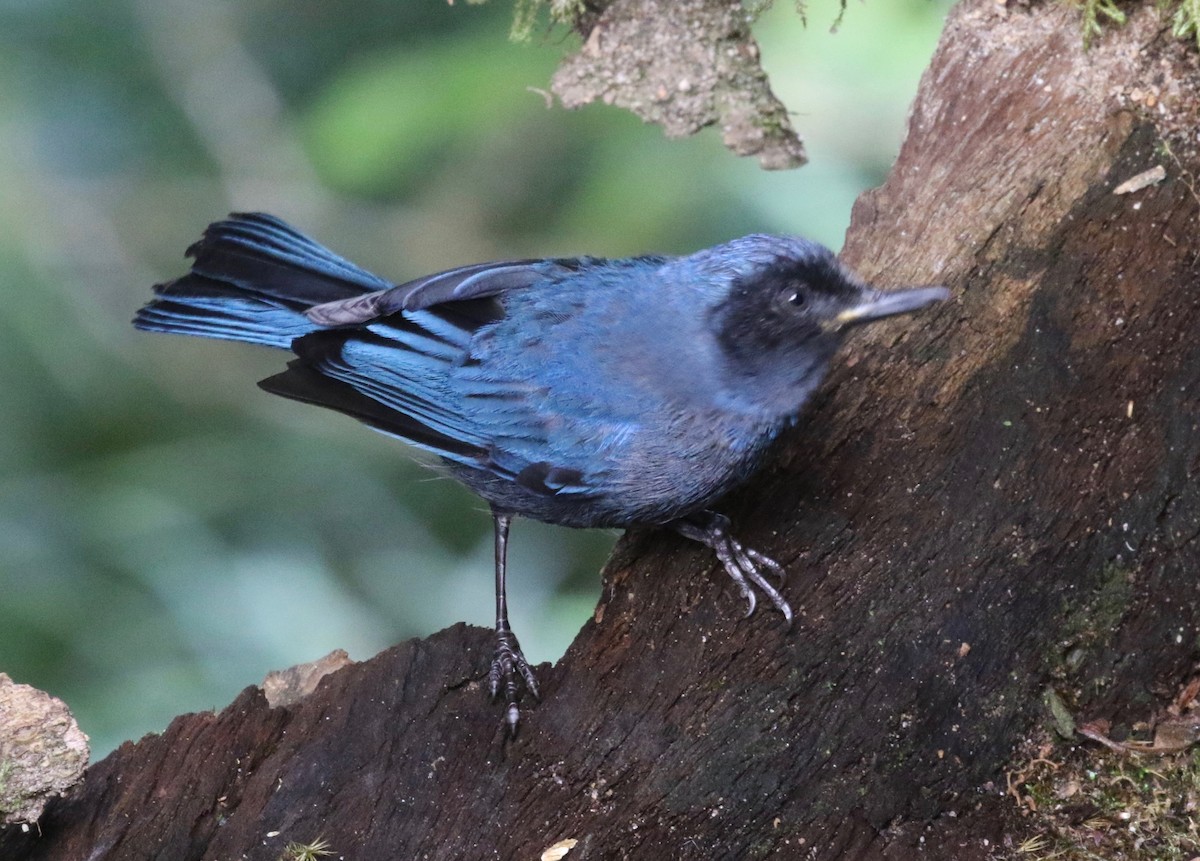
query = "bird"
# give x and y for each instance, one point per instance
(579, 391)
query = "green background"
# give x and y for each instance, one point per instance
(169, 533)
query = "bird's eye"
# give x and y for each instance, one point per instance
(794, 298)
(791, 297)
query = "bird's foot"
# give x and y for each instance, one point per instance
(509, 670)
(743, 564)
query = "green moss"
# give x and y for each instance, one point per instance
(1186, 21)
(1111, 602)
(1095, 15)
(1064, 721)
(527, 12)
(1092, 621)
(772, 123)
(296, 851)
(763, 847)
(1089, 803)
(1092, 12)
(6, 803)
(570, 12)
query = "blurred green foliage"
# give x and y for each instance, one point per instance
(168, 533)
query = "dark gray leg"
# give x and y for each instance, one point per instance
(509, 664)
(741, 563)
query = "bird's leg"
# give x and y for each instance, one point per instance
(743, 564)
(509, 665)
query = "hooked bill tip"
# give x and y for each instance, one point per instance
(877, 304)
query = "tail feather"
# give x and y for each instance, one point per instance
(229, 318)
(252, 278)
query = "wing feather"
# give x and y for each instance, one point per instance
(408, 374)
(477, 281)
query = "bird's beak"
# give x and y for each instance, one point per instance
(876, 304)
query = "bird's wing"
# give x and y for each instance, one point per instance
(407, 361)
(394, 375)
(477, 281)
(411, 374)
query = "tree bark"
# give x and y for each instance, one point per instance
(685, 65)
(994, 499)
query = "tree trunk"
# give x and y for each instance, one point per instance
(995, 498)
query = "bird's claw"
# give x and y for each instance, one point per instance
(743, 564)
(509, 671)
(766, 562)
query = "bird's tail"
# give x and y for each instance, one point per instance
(252, 278)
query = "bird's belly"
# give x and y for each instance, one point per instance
(655, 476)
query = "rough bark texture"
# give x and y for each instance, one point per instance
(42, 751)
(999, 498)
(685, 65)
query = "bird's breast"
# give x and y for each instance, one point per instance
(666, 469)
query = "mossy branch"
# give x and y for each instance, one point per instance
(684, 65)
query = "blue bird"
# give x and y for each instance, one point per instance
(580, 391)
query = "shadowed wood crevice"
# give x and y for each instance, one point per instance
(994, 498)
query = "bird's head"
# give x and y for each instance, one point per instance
(789, 306)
